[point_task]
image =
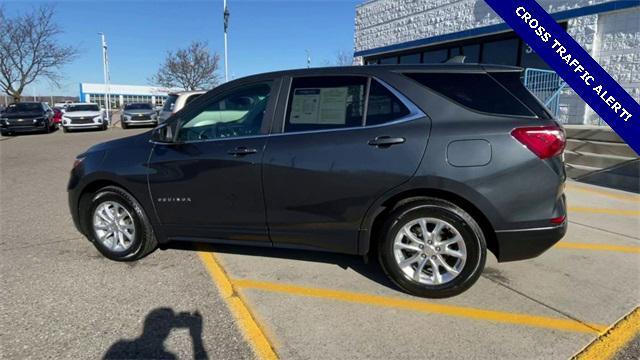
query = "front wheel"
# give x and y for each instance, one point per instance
(432, 248)
(118, 226)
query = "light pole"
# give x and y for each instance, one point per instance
(226, 25)
(105, 70)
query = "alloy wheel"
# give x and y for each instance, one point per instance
(114, 226)
(429, 251)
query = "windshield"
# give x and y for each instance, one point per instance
(169, 103)
(87, 107)
(24, 107)
(138, 107)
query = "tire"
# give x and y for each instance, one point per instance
(124, 125)
(142, 240)
(453, 221)
(5, 133)
(47, 128)
(64, 129)
(104, 127)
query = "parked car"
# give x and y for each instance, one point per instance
(84, 116)
(138, 114)
(57, 116)
(27, 117)
(425, 166)
(176, 101)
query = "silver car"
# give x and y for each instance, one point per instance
(176, 101)
(138, 114)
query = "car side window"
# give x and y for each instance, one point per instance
(234, 114)
(327, 102)
(383, 106)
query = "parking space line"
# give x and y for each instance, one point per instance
(250, 328)
(621, 212)
(603, 247)
(624, 197)
(607, 345)
(423, 306)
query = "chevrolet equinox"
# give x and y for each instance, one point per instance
(425, 166)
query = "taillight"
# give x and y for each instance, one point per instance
(544, 141)
(558, 220)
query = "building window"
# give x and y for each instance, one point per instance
(435, 56)
(471, 53)
(502, 52)
(389, 60)
(410, 59)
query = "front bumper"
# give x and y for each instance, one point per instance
(84, 126)
(527, 243)
(140, 122)
(23, 128)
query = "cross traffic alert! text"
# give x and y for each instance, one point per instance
(588, 79)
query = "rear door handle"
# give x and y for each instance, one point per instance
(241, 151)
(386, 141)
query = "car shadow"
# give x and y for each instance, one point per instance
(157, 327)
(370, 269)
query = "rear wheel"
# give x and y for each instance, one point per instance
(432, 248)
(118, 226)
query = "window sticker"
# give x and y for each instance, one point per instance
(319, 106)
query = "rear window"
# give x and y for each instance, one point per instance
(511, 80)
(169, 103)
(476, 91)
(191, 98)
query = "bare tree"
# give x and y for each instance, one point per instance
(343, 59)
(29, 50)
(191, 68)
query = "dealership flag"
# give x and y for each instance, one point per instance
(585, 76)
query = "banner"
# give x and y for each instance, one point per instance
(585, 76)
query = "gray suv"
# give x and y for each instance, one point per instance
(425, 167)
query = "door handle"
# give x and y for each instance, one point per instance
(241, 151)
(386, 141)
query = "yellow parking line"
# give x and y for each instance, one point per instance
(607, 345)
(251, 330)
(624, 197)
(604, 247)
(422, 306)
(622, 212)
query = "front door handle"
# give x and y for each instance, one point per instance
(241, 151)
(386, 141)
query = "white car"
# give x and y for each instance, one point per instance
(176, 101)
(84, 116)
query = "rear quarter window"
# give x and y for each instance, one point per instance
(475, 91)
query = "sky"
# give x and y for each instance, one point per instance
(264, 35)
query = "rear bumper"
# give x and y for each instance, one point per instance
(527, 243)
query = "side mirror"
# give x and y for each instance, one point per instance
(163, 134)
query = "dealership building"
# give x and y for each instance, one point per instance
(434, 31)
(123, 94)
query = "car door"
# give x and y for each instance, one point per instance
(337, 152)
(207, 185)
